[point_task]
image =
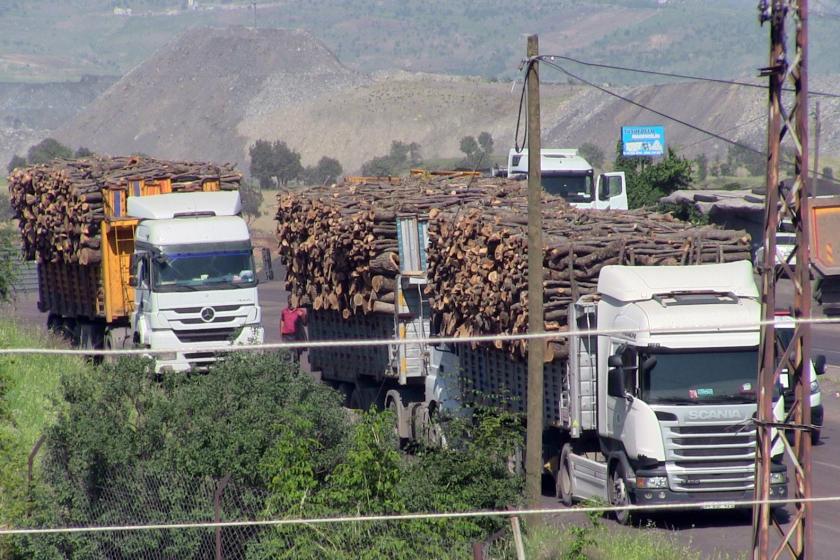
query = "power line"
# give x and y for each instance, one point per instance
(709, 504)
(687, 124)
(504, 337)
(646, 108)
(677, 75)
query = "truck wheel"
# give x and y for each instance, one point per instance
(815, 437)
(394, 408)
(619, 493)
(564, 477)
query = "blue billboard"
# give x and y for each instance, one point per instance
(643, 140)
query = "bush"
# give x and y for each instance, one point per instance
(648, 182)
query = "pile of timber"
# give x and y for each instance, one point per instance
(339, 245)
(60, 205)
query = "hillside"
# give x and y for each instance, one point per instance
(55, 40)
(213, 92)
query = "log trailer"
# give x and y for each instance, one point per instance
(659, 411)
(176, 273)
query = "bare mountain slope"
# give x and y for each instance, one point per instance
(188, 98)
(214, 92)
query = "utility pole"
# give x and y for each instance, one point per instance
(536, 346)
(786, 202)
(817, 130)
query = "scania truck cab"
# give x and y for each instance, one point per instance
(660, 410)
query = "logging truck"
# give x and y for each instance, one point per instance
(176, 273)
(563, 172)
(657, 411)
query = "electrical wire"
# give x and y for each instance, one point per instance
(650, 109)
(710, 504)
(681, 76)
(519, 113)
(429, 340)
(672, 118)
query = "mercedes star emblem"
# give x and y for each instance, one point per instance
(207, 314)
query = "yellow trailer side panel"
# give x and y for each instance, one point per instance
(117, 248)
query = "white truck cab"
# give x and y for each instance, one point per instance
(674, 387)
(565, 173)
(194, 277)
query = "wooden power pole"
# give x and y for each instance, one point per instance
(786, 202)
(536, 346)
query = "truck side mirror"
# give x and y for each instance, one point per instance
(819, 364)
(603, 188)
(615, 381)
(615, 362)
(132, 281)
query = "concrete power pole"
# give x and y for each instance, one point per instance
(536, 346)
(817, 130)
(786, 202)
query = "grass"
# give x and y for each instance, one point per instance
(601, 542)
(27, 385)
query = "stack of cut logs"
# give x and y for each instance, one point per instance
(60, 205)
(340, 248)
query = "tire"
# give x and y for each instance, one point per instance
(393, 408)
(815, 437)
(564, 477)
(619, 494)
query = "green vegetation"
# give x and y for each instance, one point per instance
(647, 181)
(121, 436)
(399, 160)
(27, 386)
(477, 152)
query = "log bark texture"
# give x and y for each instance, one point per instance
(339, 245)
(60, 205)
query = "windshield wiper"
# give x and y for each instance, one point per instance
(676, 400)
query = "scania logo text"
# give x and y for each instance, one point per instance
(725, 414)
(208, 314)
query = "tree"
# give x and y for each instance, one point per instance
(593, 154)
(702, 167)
(251, 198)
(485, 140)
(469, 147)
(16, 162)
(274, 160)
(400, 157)
(82, 151)
(47, 150)
(828, 172)
(328, 170)
(647, 182)
(8, 263)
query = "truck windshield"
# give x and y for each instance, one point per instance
(716, 375)
(182, 272)
(574, 187)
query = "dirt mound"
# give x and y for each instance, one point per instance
(213, 92)
(190, 96)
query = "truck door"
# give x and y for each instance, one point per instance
(142, 282)
(612, 191)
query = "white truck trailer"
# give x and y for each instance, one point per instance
(565, 173)
(658, 412)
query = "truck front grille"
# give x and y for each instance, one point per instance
(206, 335)
(710, 457)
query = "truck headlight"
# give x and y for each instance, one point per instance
(166, 356)
(652, 482)
(815, 386)
(778, 478)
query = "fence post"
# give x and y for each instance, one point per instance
(517, 537)
(31, 460)
(478, 550)
(217, 513)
